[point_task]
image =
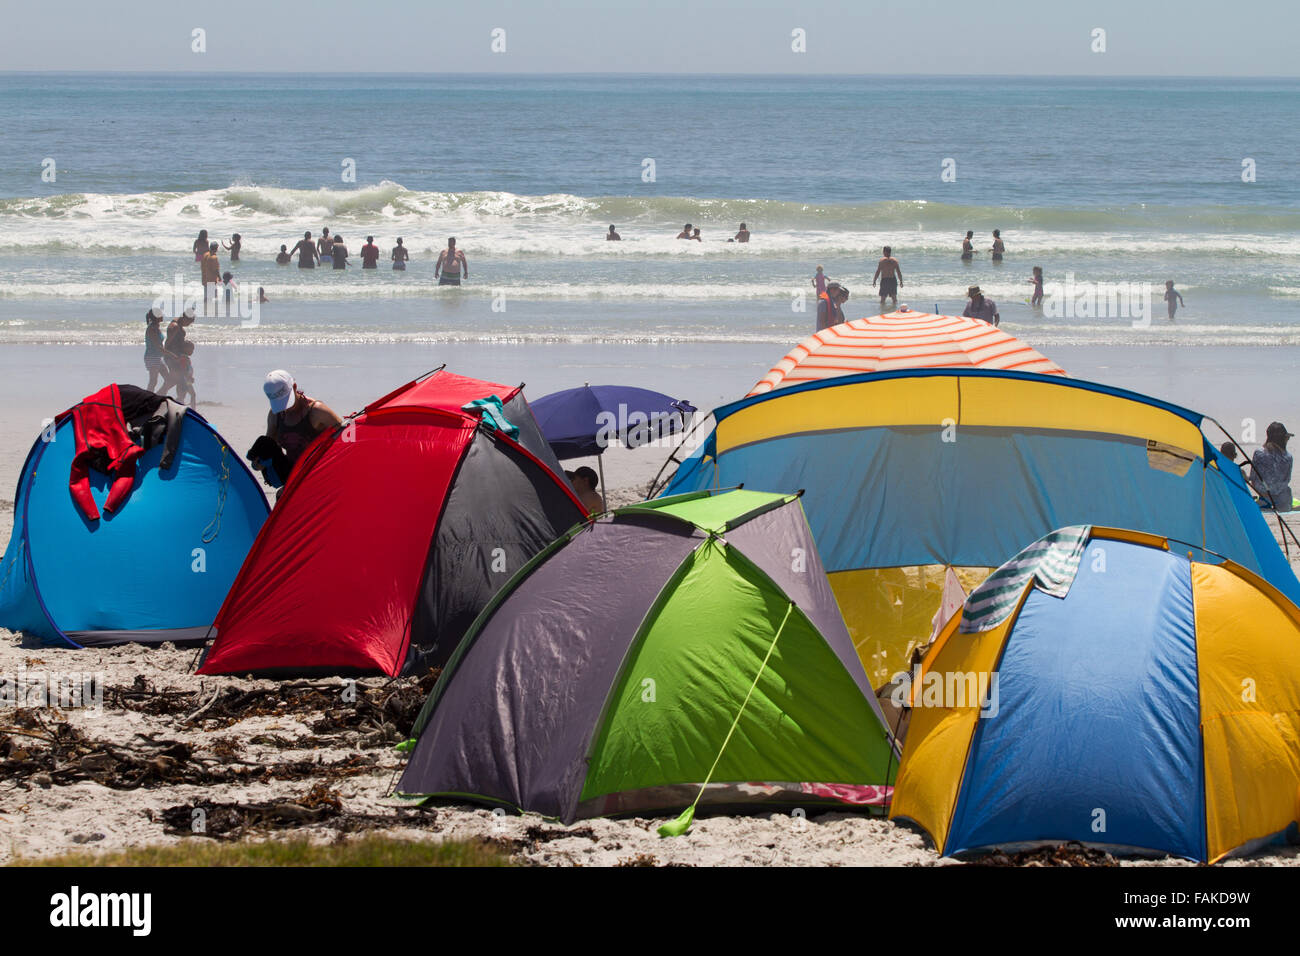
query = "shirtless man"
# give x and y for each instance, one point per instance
(211, 268)
(400, 255)
(306, 250)
(968, 247)
(612, 236)
(324, 245)
(686, 232)
(890, 274)
(283, 259)
(451, 266)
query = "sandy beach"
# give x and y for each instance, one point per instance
(271, 760)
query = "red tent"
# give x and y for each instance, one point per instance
(392, 533)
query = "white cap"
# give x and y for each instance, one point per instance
(279, 388)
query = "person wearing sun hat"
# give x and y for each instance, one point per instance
(1270, 469)
(980, 307)
(295, 420)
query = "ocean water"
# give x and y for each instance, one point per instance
(1103, 181)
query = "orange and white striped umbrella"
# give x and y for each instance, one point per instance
(904, 339)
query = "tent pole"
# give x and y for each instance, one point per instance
(600, 463)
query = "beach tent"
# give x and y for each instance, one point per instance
(681, 648)
(155, 565)
(1110, 688)
(393, 532)
(903, 340)
(906, 473)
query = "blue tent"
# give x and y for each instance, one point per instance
(155, 570)
(909, 473)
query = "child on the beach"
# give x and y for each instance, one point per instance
(1172, 298)
(819, 280)
(1037, 282)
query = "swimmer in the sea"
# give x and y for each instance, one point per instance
(686, 232)
(451, 266)
(400, 256)
(283, 259)
(612, 236)
(308, 257)
(370, 254)
(743, 235)
(998, 248)
(967, 247)
(201, 245)
(339, 252)
(233, 246)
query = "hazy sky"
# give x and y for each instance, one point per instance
(1143, 37)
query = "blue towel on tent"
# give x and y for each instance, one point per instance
(493, 414)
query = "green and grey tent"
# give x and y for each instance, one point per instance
(682, 650)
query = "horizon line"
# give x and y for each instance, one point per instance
(679, 74)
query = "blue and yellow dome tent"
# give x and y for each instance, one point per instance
(905, 473)
(155, 570)
(1132, 696)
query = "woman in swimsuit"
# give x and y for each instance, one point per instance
(998, 247)
(400, 255)
(201, 245)
(967, 247)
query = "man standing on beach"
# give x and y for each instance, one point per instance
(306, 249)
(451, 266)
(890, 274)
(986, 310)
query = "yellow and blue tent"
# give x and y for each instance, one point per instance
(909, 472)
(1111, 688)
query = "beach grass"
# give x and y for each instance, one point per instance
(365, 851)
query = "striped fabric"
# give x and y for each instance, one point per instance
(901, 340)
(1050, 562)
